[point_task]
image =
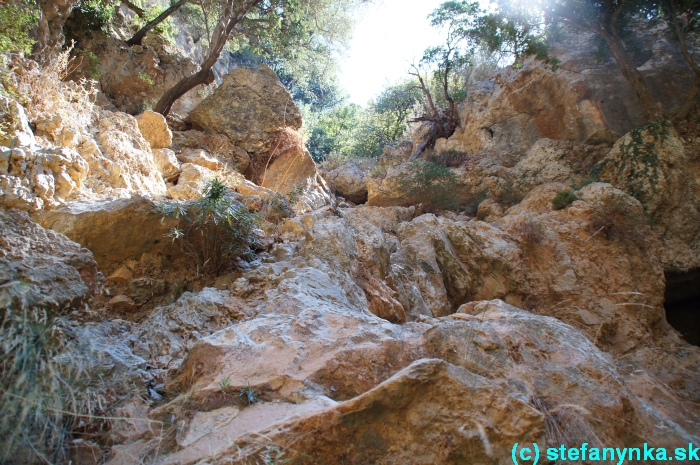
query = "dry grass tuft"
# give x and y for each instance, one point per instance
(45, 91)
(530, 232)
(40, 371)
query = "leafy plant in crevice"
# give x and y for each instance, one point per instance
(215, 230)
(145, 77)
(507, 194)
(530, 232)
(433, 184)
(248, 395)
(563, 199)
(88, 17)
(638, 161)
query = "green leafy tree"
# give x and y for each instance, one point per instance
(294, 29)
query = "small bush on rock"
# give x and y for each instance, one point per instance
(530, 232)
(433, 184)
(217, 230)
(563, 199)
(615, 220)
(507, 194)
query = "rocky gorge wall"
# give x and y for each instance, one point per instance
(377, 333)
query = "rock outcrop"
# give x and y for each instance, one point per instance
(581, 101)
(248, 107)
(104, 227)
(155, 130)
(350, 183)
(650, 164)
(40, 267)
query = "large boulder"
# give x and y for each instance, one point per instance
(42, 267)
(249, 106)
(155, 129)
(114, 230)
(134, 78)
(650, 164)
(217, 145)
(294, 171)
(350, 183)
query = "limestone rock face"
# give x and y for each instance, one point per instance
(167, 334)
(248, 107)
(167, 163)
(582, 101)
(124, 159)
(388, 423)
(16, 130)
(32, 178)
(349, 182)
(191, 182)
(106, 228)
(42, 267)
(651, 165)
(155, 129)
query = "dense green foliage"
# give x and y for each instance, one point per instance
(433, 184)
(215, 230)
(17, 18)
(89, 16)
(563, 199)
(350, 131)
(512, 32)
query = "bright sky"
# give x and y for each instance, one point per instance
(388, 37)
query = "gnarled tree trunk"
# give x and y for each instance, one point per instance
(141, 34)
(631, 73)
(232, 13)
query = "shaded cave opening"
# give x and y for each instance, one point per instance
(682, 304)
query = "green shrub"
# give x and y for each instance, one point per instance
(87, 17)
(563, 199)
(586, 181)
(473, 206)
(216, 230)
(17, 18)
(432, 184)
(507, 194)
